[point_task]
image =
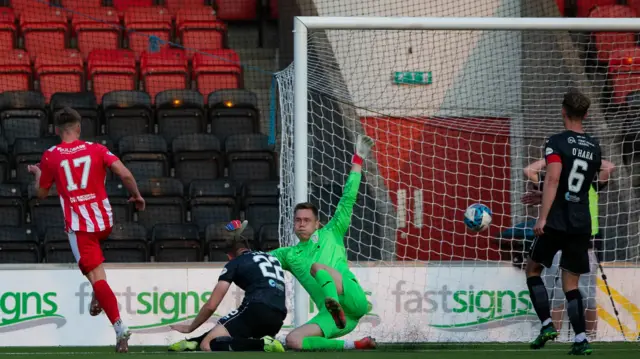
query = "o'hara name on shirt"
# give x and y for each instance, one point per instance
(587, 155)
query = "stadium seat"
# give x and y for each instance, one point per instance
(237, 10)
(33, 6)
(164, 70)
(584, 7)
(86, 105)
(607, 42)
(5, 166)
(176, 5)
(44, 30)
(56, 247)
(233, 112)
(121, 208)
(215, 70)
(212, 201)
(22, 115)
(28, 151)
(103, 140)
(623, 84)
(144, 155)
(19, 245)
(7, 29)
(165, 202)
(142, 22)
(15, 70)
(216, 237)
(250, 158)
(179, 112)
(111, 70)
(123, 5)
(260, 203)
(273, 9)
(127, 243)
(197, 157)
(198, 29)
(127, 113)
(96, 28)
(45, 213)
(12, 209)
(59, 71)
(269, 238)
(176, 243)
(625, 60)
(76, 6)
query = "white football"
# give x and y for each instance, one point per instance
(477, 217)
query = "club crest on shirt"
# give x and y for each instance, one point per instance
(571, 140)
(314, 238)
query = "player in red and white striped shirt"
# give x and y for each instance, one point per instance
(79, 169)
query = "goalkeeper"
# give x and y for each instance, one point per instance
(319, 263)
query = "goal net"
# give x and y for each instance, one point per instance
(457, 116)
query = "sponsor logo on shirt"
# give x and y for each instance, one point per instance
(571, 140)
(548, 151)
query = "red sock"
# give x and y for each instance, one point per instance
(107, 300)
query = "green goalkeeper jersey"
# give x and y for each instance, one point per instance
(326, 245)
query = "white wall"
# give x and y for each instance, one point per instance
(475, 74)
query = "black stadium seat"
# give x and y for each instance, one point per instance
(179, 112)
(145, 155)
(165, 202)
(23, 115)
(86, 105)
(212, 201)
(45, 213)
(260, 203)
(176, 243)
(127, 113)
(5, 167)
(56, 247)
(233, 112)
(28, 151)
(268, 237)
(127, 243)
(119, 199)
(197, 157)
(19, 245)
(12, 208)
(250, 158)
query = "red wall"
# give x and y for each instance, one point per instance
(453, 168)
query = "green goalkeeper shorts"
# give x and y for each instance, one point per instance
(354, 303)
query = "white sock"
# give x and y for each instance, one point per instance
(119, 327)
(580, 337)
(349, 344)
(546, 322)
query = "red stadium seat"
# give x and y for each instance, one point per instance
(59, 71)
(273, 9)
(142, 22)
(624, 60)
(607, 42)
(96, 28)
(212, 72)
(233, 10)
(123, 5)
(15, 70)
(613, 11)
(32, 6)
(164, 70)
(111, 70)
(198, 29)
(7, 28)
(584, 7)
(623, 84)
(634, 4)
(44, 31)
(175, 5)
(77, 5)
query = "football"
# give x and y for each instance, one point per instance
(477, 217)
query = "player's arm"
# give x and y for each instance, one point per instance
(339, 224)
(532, 171)
(44, 178)
(211, 305)
(128, 181)
(606, 169)
(551, 182)
(281, 255)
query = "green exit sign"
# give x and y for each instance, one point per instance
(412, 78)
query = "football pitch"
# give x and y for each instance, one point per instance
(431, 351)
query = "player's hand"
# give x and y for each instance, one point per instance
(138, 201)
(182, 328)
(34, 169)
(538, 229)
(532, 198)
(363, 146)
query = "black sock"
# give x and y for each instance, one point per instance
(198, 339)
(539, 298)
(227, 344)
(575, 310)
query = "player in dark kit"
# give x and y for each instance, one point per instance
(259, 318)
(573, 162)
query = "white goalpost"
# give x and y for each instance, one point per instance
(458, 106)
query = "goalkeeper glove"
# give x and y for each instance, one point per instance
(363, 148)
(237, 226)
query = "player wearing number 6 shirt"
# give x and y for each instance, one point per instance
(78, 169)
(259, 318)
(573, 161)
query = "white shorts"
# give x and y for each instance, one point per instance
(552, 278)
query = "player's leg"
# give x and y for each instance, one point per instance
(588, 288)
(88, 253)
(330, 280)
(541, 255)
(553, 282)
(317, 334)
(574, 262)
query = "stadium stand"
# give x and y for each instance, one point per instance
(169, 108)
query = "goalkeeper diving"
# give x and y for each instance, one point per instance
(319, 263)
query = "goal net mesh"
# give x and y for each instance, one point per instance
(457, 116)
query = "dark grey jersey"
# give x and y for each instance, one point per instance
(261, 277)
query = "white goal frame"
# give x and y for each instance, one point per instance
(304, 23)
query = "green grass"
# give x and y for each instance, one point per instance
(422, 351)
